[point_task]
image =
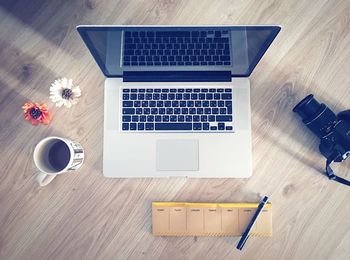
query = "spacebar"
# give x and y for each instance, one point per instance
(173, 126)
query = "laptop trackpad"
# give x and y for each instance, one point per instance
(177, 155)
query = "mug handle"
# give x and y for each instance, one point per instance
(43, 179)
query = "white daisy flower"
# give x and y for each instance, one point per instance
(63, 92)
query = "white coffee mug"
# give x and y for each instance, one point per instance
(55, 155)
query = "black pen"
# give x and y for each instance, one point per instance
(251, 223)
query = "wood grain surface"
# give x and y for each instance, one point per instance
(86, 216)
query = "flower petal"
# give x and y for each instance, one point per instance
(69, 84)
(34, 121)
(59, 103)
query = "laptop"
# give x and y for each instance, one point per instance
(177, 98)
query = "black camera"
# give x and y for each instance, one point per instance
(333, 130)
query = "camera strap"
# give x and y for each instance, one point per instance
(330, 172)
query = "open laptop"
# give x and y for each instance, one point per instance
(177, 100)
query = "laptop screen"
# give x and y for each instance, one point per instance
(234, 49)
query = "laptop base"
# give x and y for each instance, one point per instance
(214, 155)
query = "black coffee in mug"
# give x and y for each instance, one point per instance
(59, 155)
(56, 155)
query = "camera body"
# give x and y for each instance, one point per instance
(333, 130)
(338, 140)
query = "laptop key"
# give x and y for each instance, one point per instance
(190, 103)
(138, 111)
(226, 96)
(140, 126)
(216, 96)
(221, 118)
(197, 126)
(178, 96)
(192, 111)
(149, 126)
(133, 126)
(207, 111)
(186, 96)
(222, 111)
(127, 103)
(211, 118)
(126, 118)
(128, 111)
(125, 126)
(197, 103)
(169, 111)
(165, 119)
(142, 118)
(184, 110)
(154, 111)
(173, 126)
(182, 103)
(205, 103)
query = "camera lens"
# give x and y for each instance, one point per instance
(317, 117)
(307, 107)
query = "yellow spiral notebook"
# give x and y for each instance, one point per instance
(209, 219)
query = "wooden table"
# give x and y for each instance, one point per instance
(86, 216)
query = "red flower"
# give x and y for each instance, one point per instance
(36, 113)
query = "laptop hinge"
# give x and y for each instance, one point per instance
(177, 76)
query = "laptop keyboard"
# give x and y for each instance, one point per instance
(176, 48)
(177, 109)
